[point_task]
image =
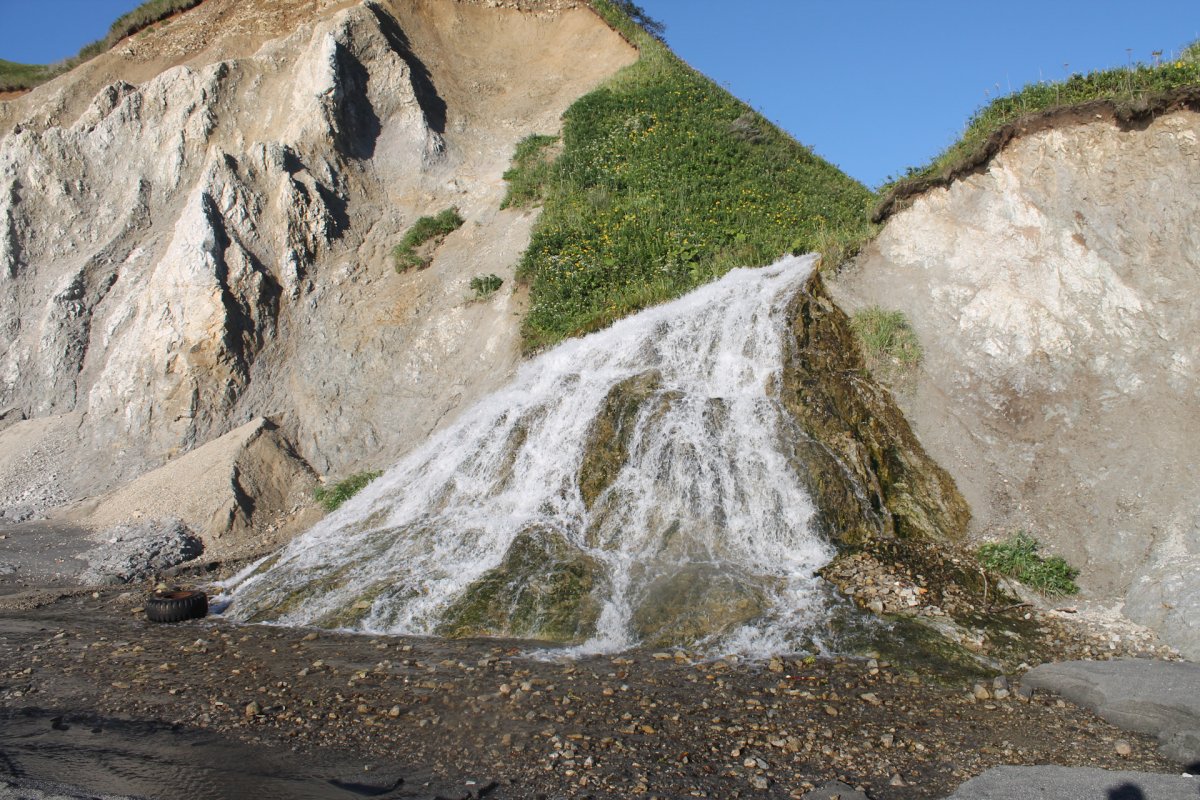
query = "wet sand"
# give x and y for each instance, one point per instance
(413, 717)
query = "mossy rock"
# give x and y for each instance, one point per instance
(607, 447)
(858, 454)
(697, 602)
(545, 588)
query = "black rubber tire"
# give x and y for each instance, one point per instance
(176, 606)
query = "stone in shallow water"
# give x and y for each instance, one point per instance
(544, 589)
(696, 602)
(607, 446)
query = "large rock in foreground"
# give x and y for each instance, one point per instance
(1143, 695)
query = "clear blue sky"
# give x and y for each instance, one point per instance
(872, 85)
(879, 85)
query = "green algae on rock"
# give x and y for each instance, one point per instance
(695, 603)
(544, 589)
(900, 490)
(894, 514)
(607, 446)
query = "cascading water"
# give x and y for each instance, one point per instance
(632, 486)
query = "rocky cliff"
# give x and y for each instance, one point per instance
(195, 233)
(1055, 293)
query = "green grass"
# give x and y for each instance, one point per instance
(1017, 557)
(1131, 89)
(888, 341)
(426, 229)
(531, 170)
(485, 286)
(26, 76)
(666, 182)
(332, 497)
(14, 76)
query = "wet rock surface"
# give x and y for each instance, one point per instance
(438, 712)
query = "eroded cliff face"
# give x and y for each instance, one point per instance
(1056, 295)
(195, 231)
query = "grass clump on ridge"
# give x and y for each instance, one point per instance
(888, 341)
(1017, 557)
(426, 229)
(16, 77)
(531, 170)
(1131, 89)
(666, 182)
(332, 497)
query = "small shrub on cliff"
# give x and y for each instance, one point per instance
(888, 341)
(425, 230)
(1017, 557)
(485, 286)
(332, 497)
(14, 76)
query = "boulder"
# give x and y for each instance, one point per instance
(1143, 695)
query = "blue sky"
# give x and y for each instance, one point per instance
(874, 86)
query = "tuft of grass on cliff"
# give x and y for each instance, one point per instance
(15, 77)
(331, 498)
(1132, 90)
(665, 182)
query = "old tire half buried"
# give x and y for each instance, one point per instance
(176, 606)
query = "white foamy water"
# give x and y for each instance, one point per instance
(706, 485)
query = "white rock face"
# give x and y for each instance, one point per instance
(208, 242)
(1057, 298)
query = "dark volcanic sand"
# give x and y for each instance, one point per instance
(477, 718)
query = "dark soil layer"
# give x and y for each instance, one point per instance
(441, 713)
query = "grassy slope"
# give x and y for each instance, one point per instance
(25, 76)
(20, 76)
(666, 182)
(1132, 92)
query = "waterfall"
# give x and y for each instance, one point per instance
(629, 487)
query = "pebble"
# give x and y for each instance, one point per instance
(1123, 748)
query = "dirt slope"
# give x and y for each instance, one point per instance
(195, 231)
